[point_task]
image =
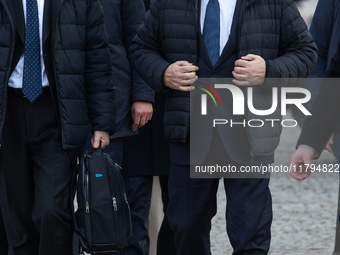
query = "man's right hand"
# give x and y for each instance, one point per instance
(328, 146)
(180, 75)
(300, 163)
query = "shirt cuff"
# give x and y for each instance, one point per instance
(316, 155)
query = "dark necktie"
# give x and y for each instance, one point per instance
(32, 85)
(211, 30)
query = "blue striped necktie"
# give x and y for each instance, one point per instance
(211, 30)
(32, 84)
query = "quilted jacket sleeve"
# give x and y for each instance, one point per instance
(321, 29)
(297, 52)
(325, 111)
(146, 50)
(132, 16)
(100, 92)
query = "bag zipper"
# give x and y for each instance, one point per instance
(114, 202)
(126, 201)
(87, 202)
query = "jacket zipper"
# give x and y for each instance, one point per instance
(86, 177)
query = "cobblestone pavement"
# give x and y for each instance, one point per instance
(304, 212)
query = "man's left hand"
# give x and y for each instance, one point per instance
(100, 136)
(141, 113)
(300, 163)
(249, 70)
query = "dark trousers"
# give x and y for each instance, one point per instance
(3, 237)
(193, 205)
(35, 174)
(165, 242)
(139, 190)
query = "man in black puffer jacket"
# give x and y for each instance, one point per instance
(55, 78)
(249, 40)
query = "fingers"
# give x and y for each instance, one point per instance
(149, 117)
(143, 120)
(239, 76)
(141, 113)
(186, 88)
(183, 63)
(136, 122)
(187, 82)
(300, 163)
(188, 76)
(239, 70)
(95, 142)
(331, 139)
(105, 142)
(186, 79)
(299, 171)
(249, 70)
(242, 83)
(140, 120)
(328, 148)
(188, 69)
(250, 57)
(180, 75)
(242, 63)
(100, 137)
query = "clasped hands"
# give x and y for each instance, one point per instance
(249, 70)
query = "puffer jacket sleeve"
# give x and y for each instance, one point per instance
(325, 111)
(297, 51)
(133, 12)
(146, 50)
(100, 92)
(321, 29)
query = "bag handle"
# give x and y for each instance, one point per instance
(99, 150)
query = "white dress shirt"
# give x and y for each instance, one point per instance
(227, 9)
(15, 81)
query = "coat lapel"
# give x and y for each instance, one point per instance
(55, 8)
(8, 6)
(47, 23)
(19, 17)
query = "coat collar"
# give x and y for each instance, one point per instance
(17, 12)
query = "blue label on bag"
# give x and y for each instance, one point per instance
(99, 175)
